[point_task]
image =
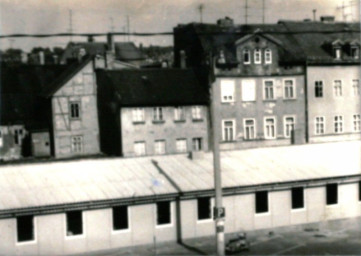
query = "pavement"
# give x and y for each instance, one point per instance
(337, 237)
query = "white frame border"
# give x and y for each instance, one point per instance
(83, 226)
(264, 127)
(284, 124)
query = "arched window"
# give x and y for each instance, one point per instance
(268, 56)
(246, 56)
(257, 56)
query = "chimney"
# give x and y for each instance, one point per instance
(41, 58)
(327, 19)
(110, 53)
(90, 39)
(226, 22)
(183, 63)
(56, 59)
(24, 57)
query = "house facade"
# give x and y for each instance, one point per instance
(152, 112)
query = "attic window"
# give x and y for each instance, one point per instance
(337, 52)
(355, 52)
(256, 39)
(257, 56)
(246, 56)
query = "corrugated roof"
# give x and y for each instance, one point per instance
(58, 183)
(154, 87)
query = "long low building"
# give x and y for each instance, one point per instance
(97, 204)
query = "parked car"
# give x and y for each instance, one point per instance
(238, 244)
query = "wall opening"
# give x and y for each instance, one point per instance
(359, 190)
(331, 194)
(25, 228)
(261, 201)
(204, 208)
(163, 213)
(74, 223)
(120, 218)
(297, 198)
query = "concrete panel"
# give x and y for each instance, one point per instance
(231, 215)
(143, 224)
(7, 236)
(280, 204)
(98, 223)
(167, 232)
(315, 199)
(188, 218)
(75, 244)
(350, 206)
(50, 233)
(244, 210)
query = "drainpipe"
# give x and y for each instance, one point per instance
(306, 102)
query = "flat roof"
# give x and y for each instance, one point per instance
(95, 180)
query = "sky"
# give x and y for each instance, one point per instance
(97, 16)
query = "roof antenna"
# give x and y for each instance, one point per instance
(246, 11)
(71, 24)
(111, 24)
(200, 8)
(314, 14)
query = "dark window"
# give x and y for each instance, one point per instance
(204, 208)
(331, 194)
(261, 201)
(197, 144)
(74, 223)
(297, 198)
(163, 213)
(75, 110)
(359, 191)
(120, 217)
(25, 228)
(318, 89)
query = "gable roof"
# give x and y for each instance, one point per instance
(20, 90)
(125, 51)
(154, 87)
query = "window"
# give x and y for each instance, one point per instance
(138, 115)
(1, 139)
(196, 113)
(120, 218)
(268, 90)
(320, 125)
(246, 56)
(228, 130)
(249, 129)
(270, 128)
(337, 87)
(74, 223)
(74, 110)
(318, 89)
(159, 147)
(248, 90)
(257, 56)
(18, 136)
(77, 144)
(289, 126)
(179, 114)
(181, 145)
(331, 194)
(338, 124)
(139, 148)
(268, 56)
(356, 87)
(204, 208)
(355, 52)
(25, 228)
(157, 114)
(289, 89)
(163, 213)
(261, 201)
(337, 53)
(356, 123)
(297, 198)
(227, 90)
(197, 144)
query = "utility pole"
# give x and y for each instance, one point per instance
(71, 24)
(263, 12)
(218, 211)
(246, 11)
(314, 14)
(200, 8)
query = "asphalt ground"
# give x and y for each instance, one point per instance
(339, 237)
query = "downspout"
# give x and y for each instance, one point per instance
(306, 102)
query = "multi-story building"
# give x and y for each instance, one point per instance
(152, 111)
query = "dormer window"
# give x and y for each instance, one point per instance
(222, 58)
(355, 52)
(257, 56)
(268, 56)
(246, 56)
(337, 52)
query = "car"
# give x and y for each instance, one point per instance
(238, 244)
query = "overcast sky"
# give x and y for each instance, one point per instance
(52, 16)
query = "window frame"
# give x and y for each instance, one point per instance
(243, 88)
(138, 115)
(273, 89)
(328, 200)
(294, 88)
(134, 148)
(323, 123)
(244, 52)
(318, 88)
(210, 218)
(75, 103)
(158, 115)
(179, 114)
(245, 128)
(275, 127)
(285, 125)
(293, 203)
(199, 143)
(268, 52)
(339, 90)
(337, 53)
(257, 51)
(222, 94)
(197, 113)
(117, 231)
(356, 87)
(267, 212)
(233, 132)
(70, 237)
(156, 142)
(356, 122)
(164, 225)
(77, 148)
(34, 231)
(339, 122)
(355, 55)
(186, 145)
